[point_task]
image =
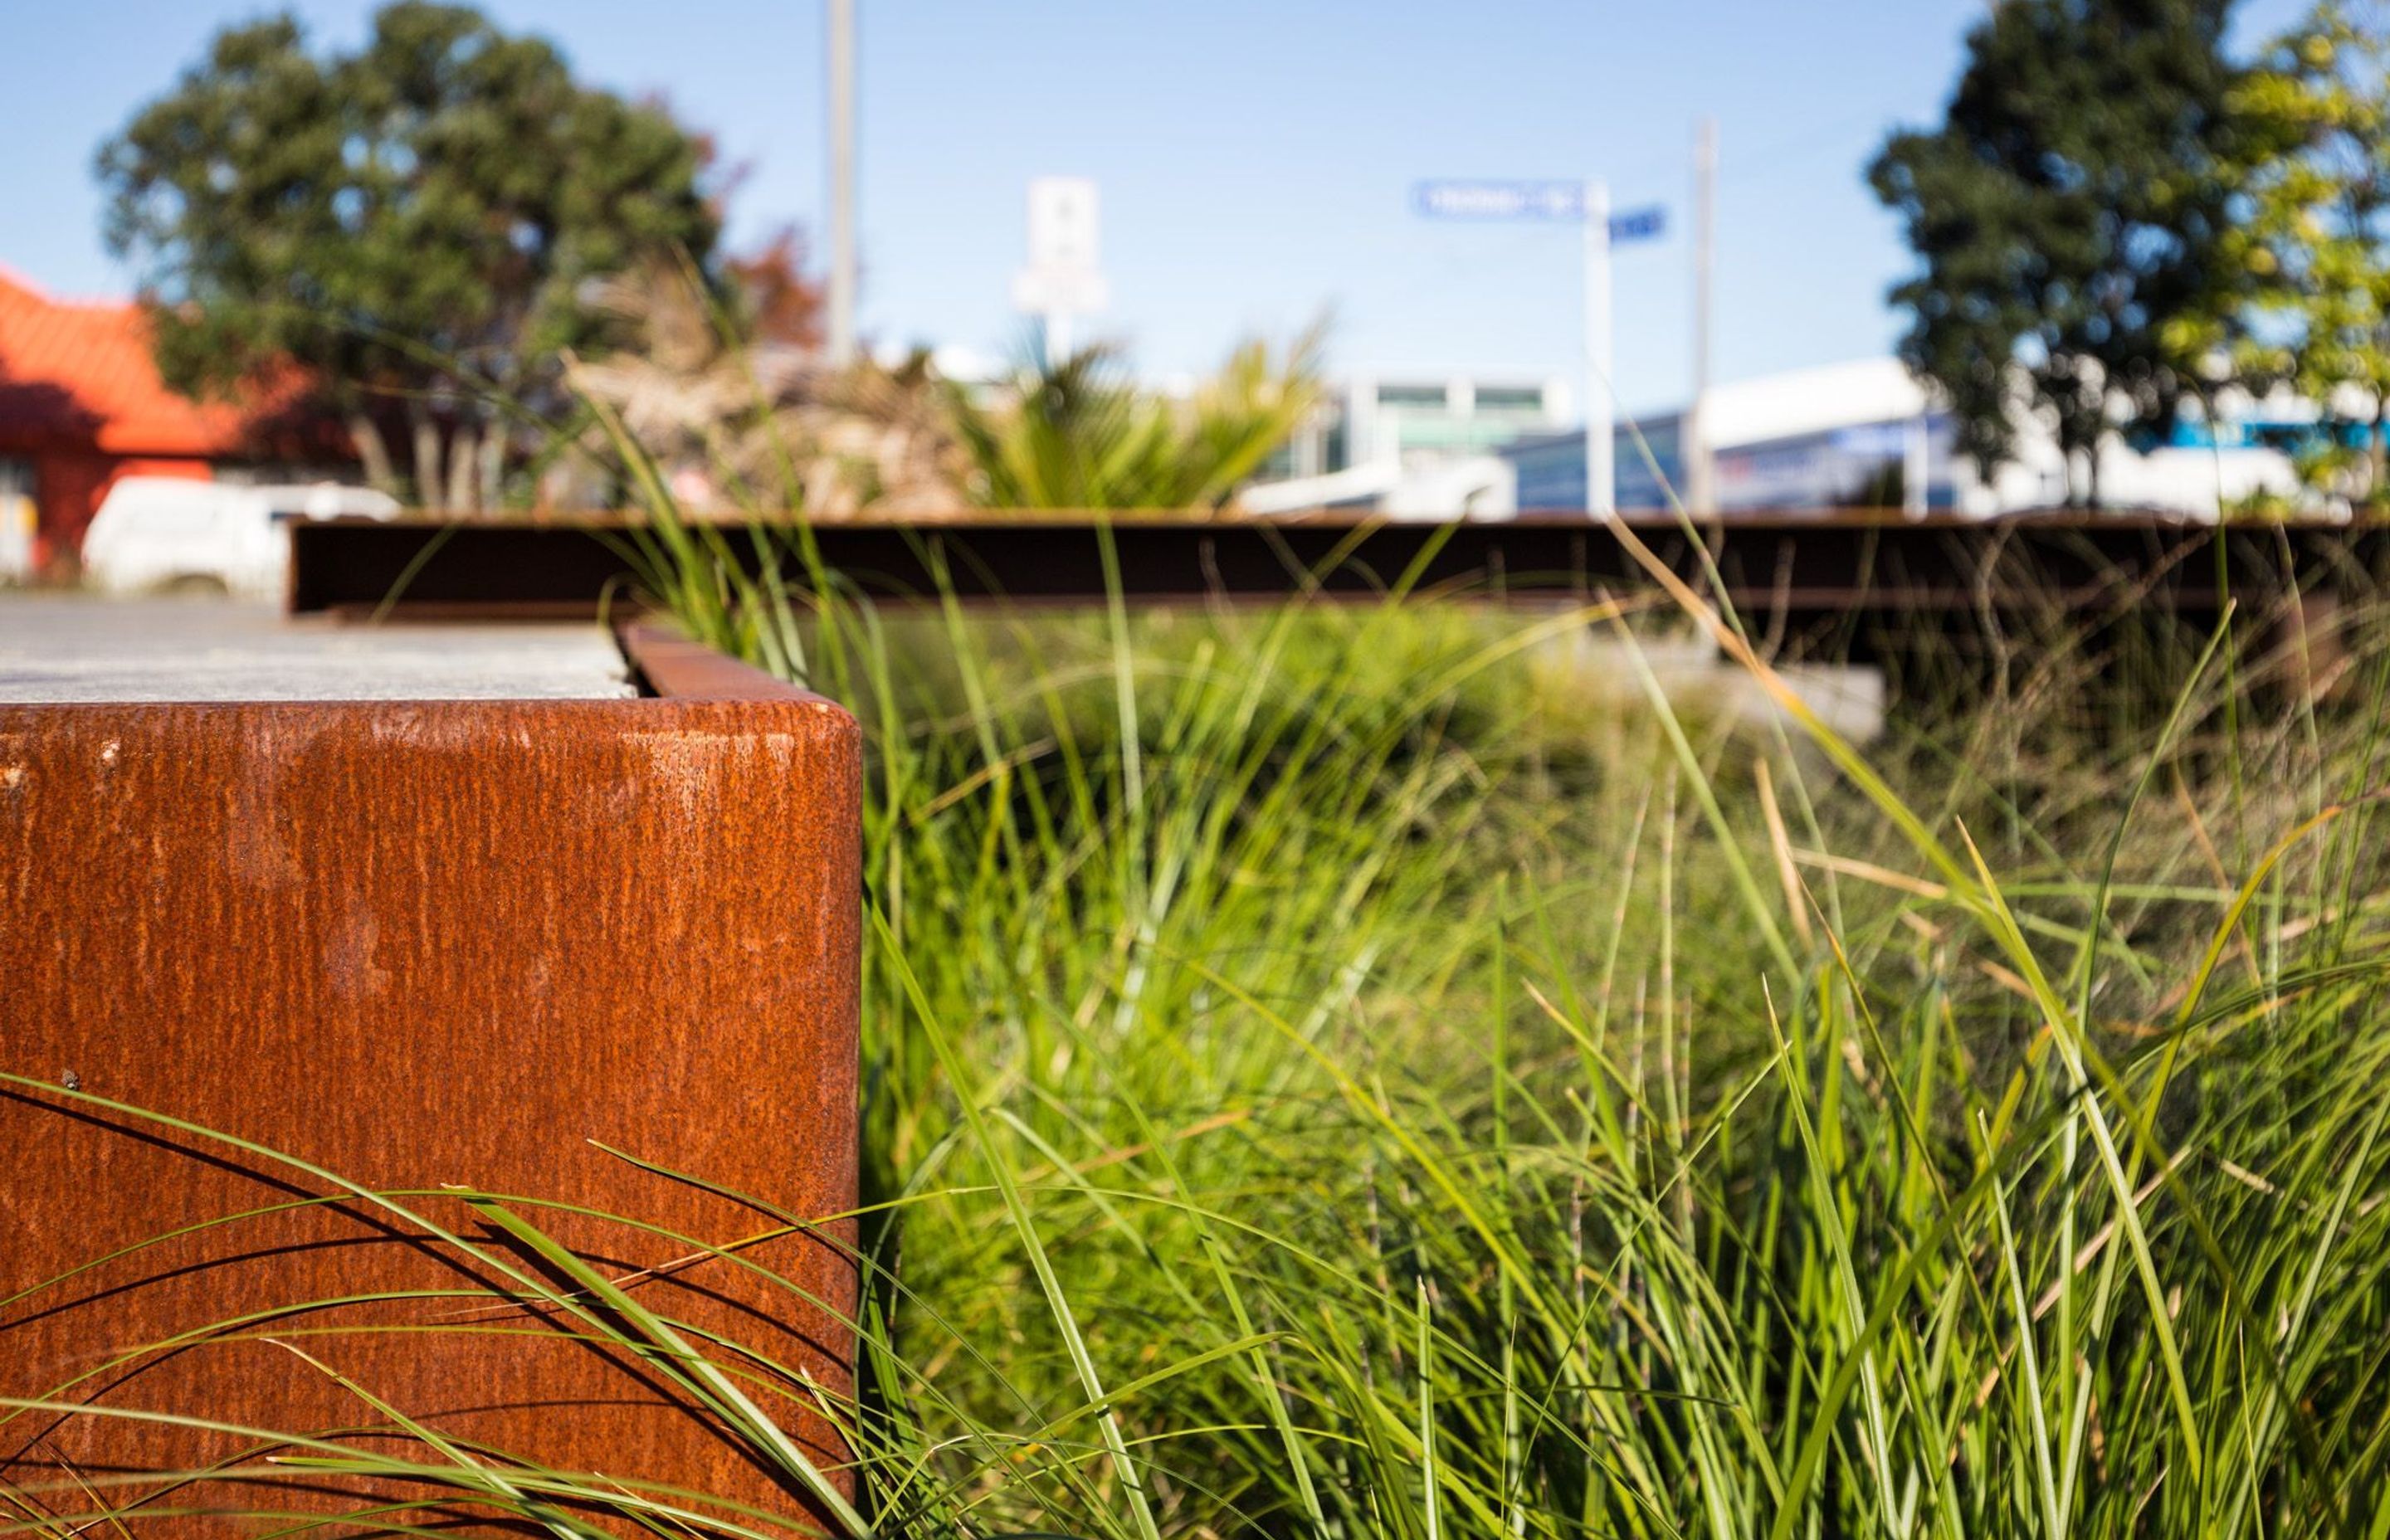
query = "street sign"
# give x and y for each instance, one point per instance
(1643, 224)
(1064, 277)
(1449, 200)
(1586, 203)
(1062, 223)
(1530, 199)
(1060, 290)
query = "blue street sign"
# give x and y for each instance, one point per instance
(1637, 223)
(1547, 199)
(1500, 200)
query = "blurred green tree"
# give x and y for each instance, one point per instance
(414, 223)
(2313, 308)
(2070, 205)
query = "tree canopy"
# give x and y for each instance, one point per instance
(2313, 311)
(416, 222)
(2072, 202)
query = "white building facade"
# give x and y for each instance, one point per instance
(1867, 434)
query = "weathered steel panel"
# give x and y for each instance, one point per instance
(419, 945)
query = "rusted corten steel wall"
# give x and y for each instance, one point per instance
(420, 945)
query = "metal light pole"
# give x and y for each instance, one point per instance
(1600, 409)
(1701, 494)
(841, 60)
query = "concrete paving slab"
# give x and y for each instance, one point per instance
(71, 648)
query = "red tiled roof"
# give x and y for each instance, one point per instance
(82, 371)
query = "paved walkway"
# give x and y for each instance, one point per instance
(68, 647)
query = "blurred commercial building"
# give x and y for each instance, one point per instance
(1860, 434)
(1847, 435)
(1420, 445)
(1421, 419)
(1864, 434)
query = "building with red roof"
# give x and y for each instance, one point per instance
(82, 404)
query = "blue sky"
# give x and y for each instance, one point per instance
(1254, 159)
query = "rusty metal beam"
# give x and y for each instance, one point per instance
(1803, 570)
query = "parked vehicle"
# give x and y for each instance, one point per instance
(17, 526)
(155, 532)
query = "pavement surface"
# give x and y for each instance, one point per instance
(76, 648)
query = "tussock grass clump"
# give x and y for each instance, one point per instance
(1316, 1087)
(1658, 1130)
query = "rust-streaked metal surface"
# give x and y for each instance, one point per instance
(419, 944)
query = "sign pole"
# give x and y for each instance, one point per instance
(1587, 201)
(1693, 444)
(841, 298)
(1600, 410)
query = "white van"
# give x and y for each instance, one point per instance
(156, 532)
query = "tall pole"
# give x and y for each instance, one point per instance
(842, 182)
(1700, 496)
(1600, 409)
